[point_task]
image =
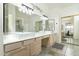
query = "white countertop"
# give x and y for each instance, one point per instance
(15, 37)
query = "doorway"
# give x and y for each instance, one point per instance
(70, 30)
(67, 29)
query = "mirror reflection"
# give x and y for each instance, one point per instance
(23, 19)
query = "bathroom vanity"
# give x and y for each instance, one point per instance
(30, 32)
(31, 45)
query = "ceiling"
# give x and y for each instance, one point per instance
(52, 8)
(53, 5)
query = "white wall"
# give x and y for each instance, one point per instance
(70, 10)
(76, 27)
(1, 29)
(58, 29)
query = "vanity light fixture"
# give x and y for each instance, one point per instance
(24, 8)
(44, 18)
(28, 9)
(30, 12)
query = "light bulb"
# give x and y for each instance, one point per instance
(20, 9)
(26, 11)
(32, 12)
(29, 11)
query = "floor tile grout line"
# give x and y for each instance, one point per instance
(72, 44)
(65, 51)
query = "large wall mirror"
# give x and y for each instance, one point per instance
(52, 24)
(15, 20)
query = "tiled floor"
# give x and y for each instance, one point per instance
(71, 40)
(68, 50)
(72, 50)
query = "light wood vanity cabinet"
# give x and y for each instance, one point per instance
(27, 47)
(16, 49)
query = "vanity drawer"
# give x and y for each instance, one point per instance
(45, 36)
(24, 51)
(12, 46)
(38, 38)
(29, 41)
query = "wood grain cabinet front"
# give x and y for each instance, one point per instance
(23, 51)
(30, 47)
(47, 41)
(12, 46)
(51, 40)
(36, 47)
(29, 41)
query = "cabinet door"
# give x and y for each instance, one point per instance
(36, 47)
(32, 48)
(12, 46)
(51, 40)
(24, 51)
(27, 49)
(45, 42)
